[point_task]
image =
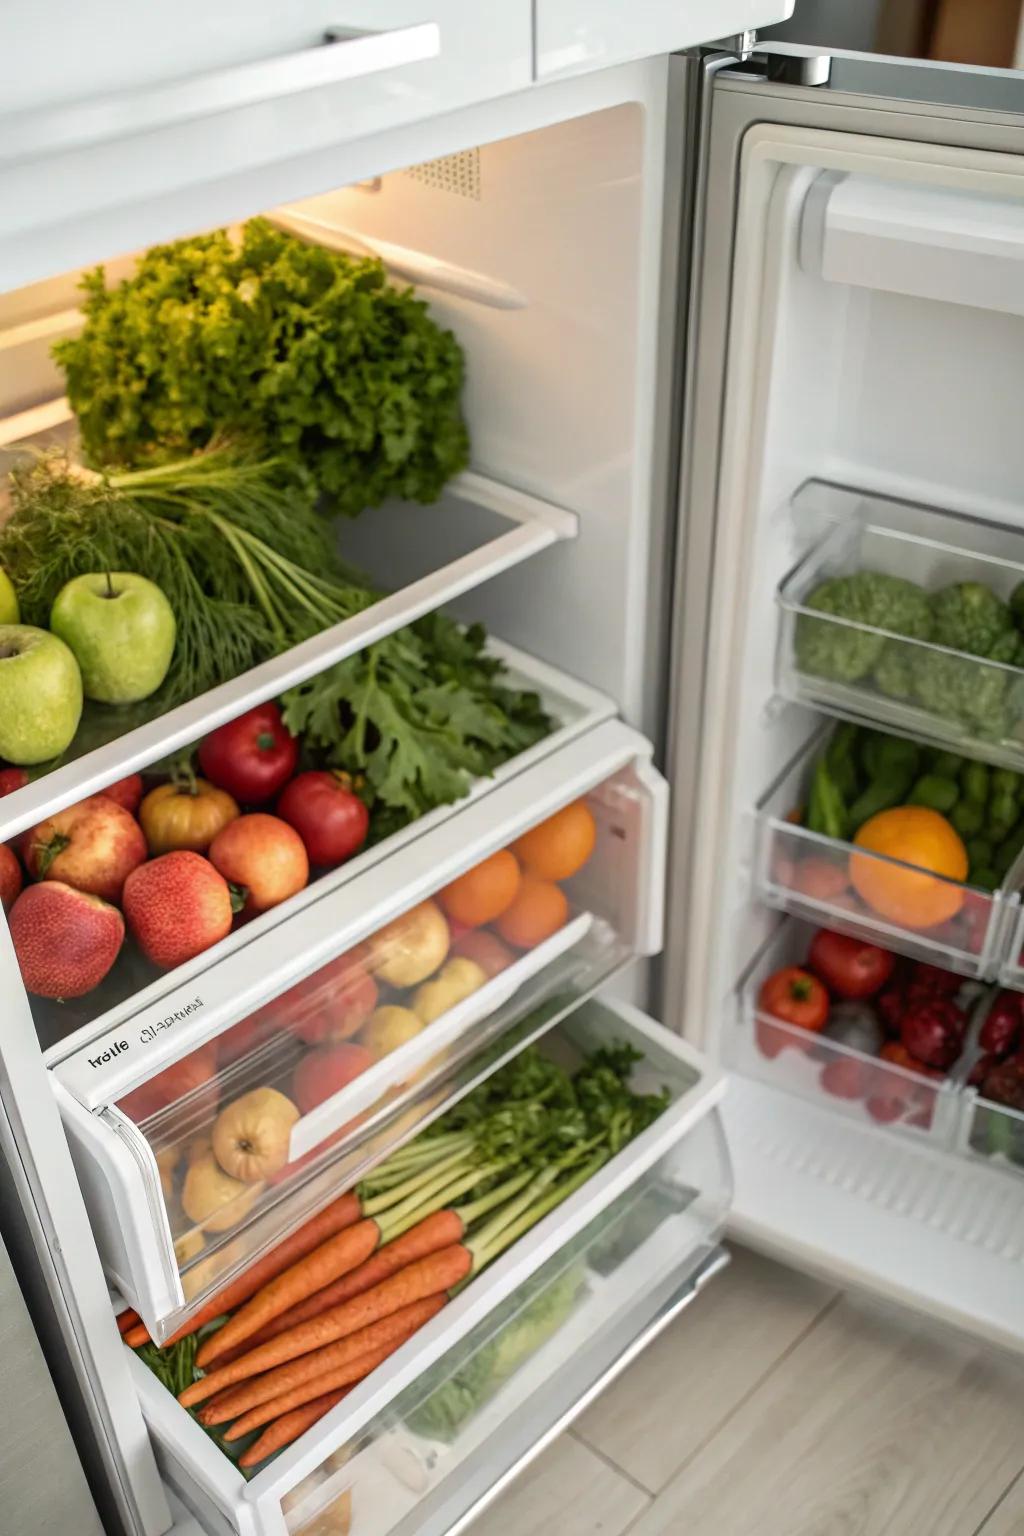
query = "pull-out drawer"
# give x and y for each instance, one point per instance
(209, 1125)
(428, 1435)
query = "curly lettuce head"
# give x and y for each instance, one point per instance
(846, 654)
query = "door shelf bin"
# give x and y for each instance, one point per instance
(625, 1239)
(868, 675)
(809, 874)
(848, 1082)
(135, 991)
(324, 1048)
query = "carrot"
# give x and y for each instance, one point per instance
(318, 1382)
(128, 1319)
(341, 1213)
(260, 1389)
(337, 1256)
(137, 1336)
(289, 1427)
(426, 1277)
(428, 1236)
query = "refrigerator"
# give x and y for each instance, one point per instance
(737, 321)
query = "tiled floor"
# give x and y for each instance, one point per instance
(776, 1406)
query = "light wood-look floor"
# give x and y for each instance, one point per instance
(776, 1406)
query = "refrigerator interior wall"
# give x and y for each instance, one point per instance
(901, 395)
(540, 252)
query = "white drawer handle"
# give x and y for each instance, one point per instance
(343, 54)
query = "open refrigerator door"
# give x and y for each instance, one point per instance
(851, 502)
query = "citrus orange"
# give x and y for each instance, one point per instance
(539, 910)
(482, 893)
(560, 846)
(919, 836)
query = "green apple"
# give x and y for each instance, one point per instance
(121, 628)
(10, 613)
(40, 695)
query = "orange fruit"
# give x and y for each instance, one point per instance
(919, 836)
(539, 910)
(560, 846)
(484, 892)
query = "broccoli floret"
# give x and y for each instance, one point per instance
(867, 597)
(894, 674)
(969, 617)
(962, 690)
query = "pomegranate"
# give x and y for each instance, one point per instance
(66, 940)
(177, 906)
(933, 1032)
(1001, 1030)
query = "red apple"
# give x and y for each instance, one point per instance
(247, 1035)
(125, 792)
(12, 779)
(334, 1003)
(490, 954)
(93, 846)
(264, 856)
(66, 940)
(326, 1071)
(196, 1070)
(10, 876)
(177, 906)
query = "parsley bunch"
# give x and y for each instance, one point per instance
(310, 356)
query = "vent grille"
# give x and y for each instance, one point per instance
(459, 174)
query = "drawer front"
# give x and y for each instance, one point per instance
(125, 71)
(419, 1443)
(357, 1023)
(574, 35)
(123, 127)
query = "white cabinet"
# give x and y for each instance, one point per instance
(577, 35)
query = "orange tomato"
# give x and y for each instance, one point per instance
(539, 910)
(484, 892)
(560, 846)
(921, 837)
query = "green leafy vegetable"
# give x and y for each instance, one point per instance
(310, 355)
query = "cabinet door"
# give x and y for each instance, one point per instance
(574, 35)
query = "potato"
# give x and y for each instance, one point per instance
(411, 948)
(387, 1028)
(456, 980)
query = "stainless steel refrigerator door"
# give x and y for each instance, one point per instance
(42, 1485)
(910, 100)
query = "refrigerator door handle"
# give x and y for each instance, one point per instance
(343, 53)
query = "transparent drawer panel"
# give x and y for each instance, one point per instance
(218, 1154)
(630, 1230)
(174, 807)
(992, 1074)
(840, 648)
(833, 883)
(860, 1084)
(405, 1456)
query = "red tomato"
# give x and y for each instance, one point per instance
(849, 967)
(795, 997)
(251, 757)
(327, 814)
(12, 779)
